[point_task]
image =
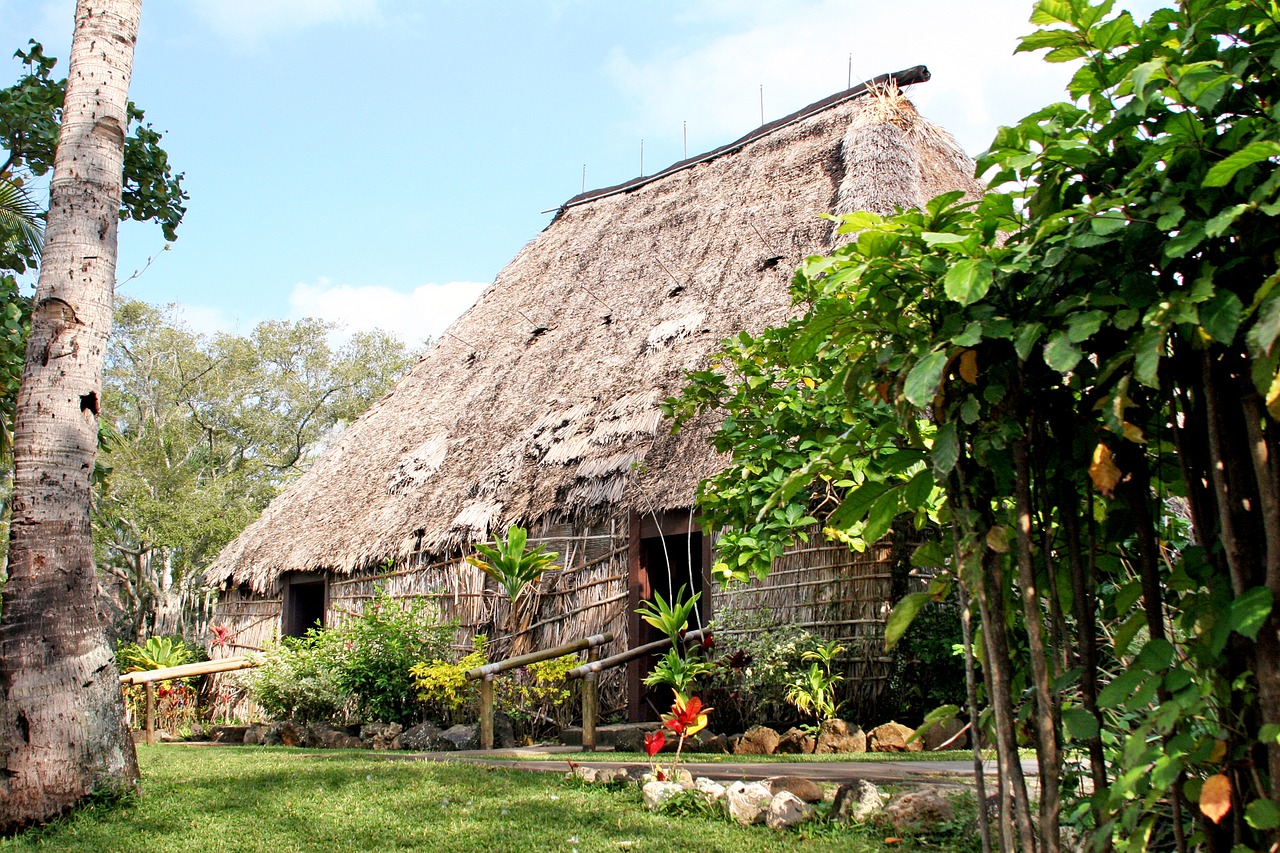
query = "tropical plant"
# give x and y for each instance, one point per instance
(155, 653)
(671, 619)
(813, 692)
(679, 669)
(511, 564)
(686, 718)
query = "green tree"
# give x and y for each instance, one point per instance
(201, 433)
(1078, 376)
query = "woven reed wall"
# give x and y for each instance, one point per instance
(838, 594)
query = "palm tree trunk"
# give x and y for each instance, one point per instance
(62, 728)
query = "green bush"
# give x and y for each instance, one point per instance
(358, 671)
(377, 649)
(759, 659)
(298, 680)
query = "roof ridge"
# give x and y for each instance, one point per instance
(906, 77)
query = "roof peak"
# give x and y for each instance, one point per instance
(906, 77)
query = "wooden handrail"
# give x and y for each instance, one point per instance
(492, 669)
(149, 677)
(598, 666)
(485, 675)
(186, 670)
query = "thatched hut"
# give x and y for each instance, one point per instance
(540, 406)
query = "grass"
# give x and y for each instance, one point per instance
(282, 800)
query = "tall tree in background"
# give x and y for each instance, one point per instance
(201, 432)
(62, 731)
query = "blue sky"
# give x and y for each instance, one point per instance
(376, 162)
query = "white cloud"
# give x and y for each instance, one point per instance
(412, 317)
(249, 21)
(800, 52)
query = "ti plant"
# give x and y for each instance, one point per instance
(813, 692)
(671, 619)
(679, 670)
(511, 563)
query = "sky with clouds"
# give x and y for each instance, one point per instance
(376, 162)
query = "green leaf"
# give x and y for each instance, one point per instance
(1262, 336)
(881, 516)
(904, 613)
(968, 280)
(1218, 225)
(1080, 724)
(921, 385)
(1221, 316)
(946, 449)
(1026, 339)
(1262, 814)
(1119, 690)
(1061, 353)
(935, 238)
(1249, 610)
(1255, 152)
(1108, 223)
(919, 489)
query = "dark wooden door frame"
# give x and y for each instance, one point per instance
(292, 579)
(640, 587)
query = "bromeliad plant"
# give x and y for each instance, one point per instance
(510, 563)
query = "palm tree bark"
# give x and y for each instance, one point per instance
(63, 736)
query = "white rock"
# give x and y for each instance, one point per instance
(857, 801)
(709, 788)
(657, 793)
(748, 802)
(786, 810)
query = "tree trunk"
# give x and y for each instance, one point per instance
(63, 736)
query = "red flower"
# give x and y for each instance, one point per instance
(221, 635)
(687, 717)
(654, 742)
(739, 660)
(708, 643)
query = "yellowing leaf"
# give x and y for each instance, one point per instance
(1219, 752)
(1273, 397)
(1103, 471)
(998, 540)
(1215, 797)
(808, 383)
(1133, 433)
(969, 366)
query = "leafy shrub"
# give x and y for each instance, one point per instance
(442, 687)
(376, 650)
(761, 660)
(298, 680)
(536, 698)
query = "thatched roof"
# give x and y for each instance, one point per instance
(541, 401)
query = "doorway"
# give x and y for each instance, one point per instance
(303, 605)
(667, 554)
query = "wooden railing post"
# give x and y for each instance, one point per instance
(486, 712)
(590, 703)
(151, 713)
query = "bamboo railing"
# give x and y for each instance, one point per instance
(149, 677)
(485, 675)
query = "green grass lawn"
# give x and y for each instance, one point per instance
(197, 799)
